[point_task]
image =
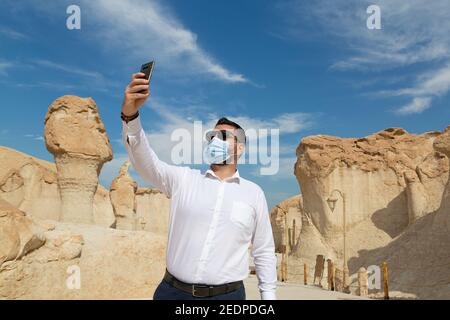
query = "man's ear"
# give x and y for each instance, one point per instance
(240, 149)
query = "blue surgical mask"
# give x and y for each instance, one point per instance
(216, 152)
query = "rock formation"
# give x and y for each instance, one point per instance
(152, 212)
(442, 145)
(287, 214)
(103, 210)
(397, 206)
(138, 208)
(50, 242)
(416, 196)
(37, 252)
(123, 193)
(442, 142)
(76, 136)
(109, 264)
(371, 172)
(18, 234)
(303, 242)
(30, 184)
(419, 258)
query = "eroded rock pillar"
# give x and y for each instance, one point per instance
(76, 136)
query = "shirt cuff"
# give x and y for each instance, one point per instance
(268, 295)
(132, 127)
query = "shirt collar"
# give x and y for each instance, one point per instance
(235, 177)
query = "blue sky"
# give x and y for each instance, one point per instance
(306, 67)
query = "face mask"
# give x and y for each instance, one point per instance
(216, 152)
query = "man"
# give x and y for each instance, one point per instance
(214, 216)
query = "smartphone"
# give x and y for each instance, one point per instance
(147, 69)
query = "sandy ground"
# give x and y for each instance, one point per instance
(291, 291)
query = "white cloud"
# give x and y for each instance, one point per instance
(148, 29)
(418, 105)
(69, 69)
(138, 30)
(86, 79)
(176, 118)
(413, 32)
(293, 122)
(46, 84)
(12, 34)
(34, 137)
(428, 85)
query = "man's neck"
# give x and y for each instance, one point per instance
(224, 171)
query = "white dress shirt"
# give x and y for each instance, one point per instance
(212, 222)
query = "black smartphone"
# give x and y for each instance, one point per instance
(147, 69)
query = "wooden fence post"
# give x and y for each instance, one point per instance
(386, 280)
(286, 246)
(330, 271)
(305, 274)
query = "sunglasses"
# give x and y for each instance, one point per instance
(221, 134)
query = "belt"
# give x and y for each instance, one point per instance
(202, 290)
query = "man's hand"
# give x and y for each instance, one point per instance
(132, 99)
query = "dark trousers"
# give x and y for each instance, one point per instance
(166, 291)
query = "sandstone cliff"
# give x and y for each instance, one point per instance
(419, 259)
(395, 186)
(30, 184)
(152, 211)
(391, 177)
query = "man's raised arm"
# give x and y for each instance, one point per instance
(144, 160)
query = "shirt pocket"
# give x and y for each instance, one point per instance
(243, 215)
